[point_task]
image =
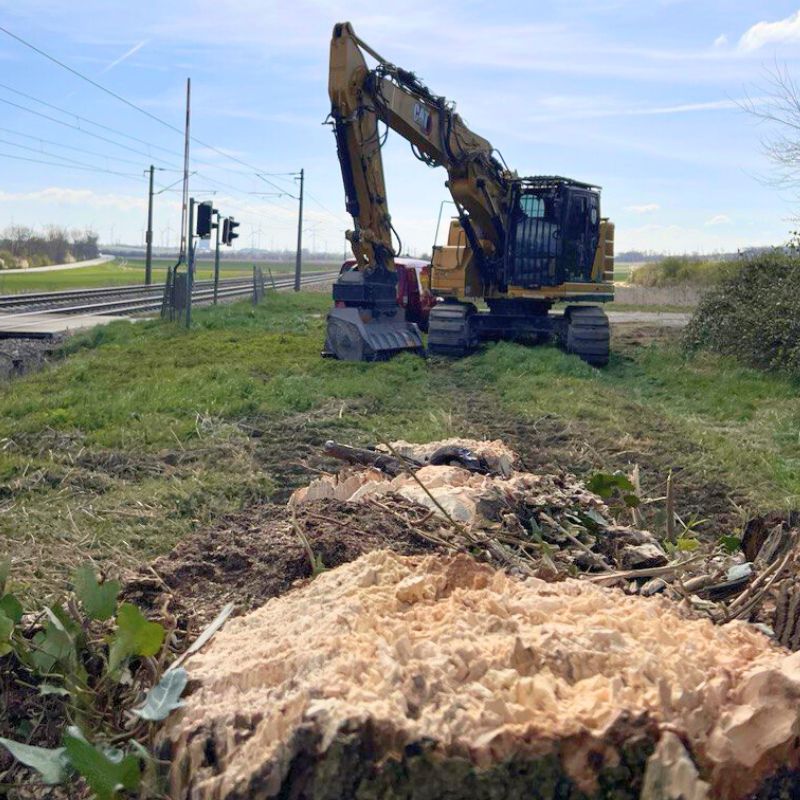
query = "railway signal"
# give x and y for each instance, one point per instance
(205, 220)
(228, 227)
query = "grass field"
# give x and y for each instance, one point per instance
(122, 272)
(146, 431)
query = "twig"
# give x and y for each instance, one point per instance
(755, 597)
(647, 572)
(312, 559)
(636, 514)
(671, 538)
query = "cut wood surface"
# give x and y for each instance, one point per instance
(438, 676)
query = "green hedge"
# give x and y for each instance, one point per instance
(683, 271)
(754, 314)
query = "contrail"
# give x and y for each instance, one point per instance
(124, 56)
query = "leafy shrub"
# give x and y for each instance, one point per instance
(753, 314)
(104, 662)
(7, 260)
(684, 270)
(39, 260)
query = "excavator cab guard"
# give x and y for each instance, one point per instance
(554, 232)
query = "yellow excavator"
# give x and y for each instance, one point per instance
(518, 245)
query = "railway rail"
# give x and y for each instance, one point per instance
(135, 299)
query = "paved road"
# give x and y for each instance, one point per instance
(662, 319)
(94, 262)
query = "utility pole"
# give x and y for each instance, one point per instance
(148, 262)
(216, 260)
(185, 234)
(298, 262)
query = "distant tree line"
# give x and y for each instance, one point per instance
(21, 246)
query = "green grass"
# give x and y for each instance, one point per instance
(123, 272)
(144, 430)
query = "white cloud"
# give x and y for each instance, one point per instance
(721, 40)
(646, 208)
(718, 219)
(762, 33)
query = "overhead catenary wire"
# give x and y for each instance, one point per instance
(70, 166)
(84, 131)
(129, 103)
(112, 142)
(74, 115)
(259, 173)
(34, 138)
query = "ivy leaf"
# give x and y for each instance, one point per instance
(99, 600)
(594, 518)
(135, 636)
(730, 544)
(164, 697)
(105, 776)
(51, 764)
(604, 484)
(54, 644)
(11, 607)
(6, 629)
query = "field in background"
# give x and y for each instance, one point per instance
(622, 270)
(123, 272)
(148, 431)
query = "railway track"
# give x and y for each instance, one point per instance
(129, 300)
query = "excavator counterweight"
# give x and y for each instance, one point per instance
(519, 245)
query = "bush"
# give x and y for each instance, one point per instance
(753, 314)
(684, 270)
(7, 260)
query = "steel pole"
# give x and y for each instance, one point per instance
(298, 261)
(216, 261)
(148, 263)
(190, 263)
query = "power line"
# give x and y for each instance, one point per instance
(45, 153)
(33, 138)
(88, 80)
(82, 130)
(70, 166)
(129, 103)
(337, 217)
(117, 132)
(85, 119)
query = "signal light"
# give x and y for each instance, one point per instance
(229, 225)
(205, 213)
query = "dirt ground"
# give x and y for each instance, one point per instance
(250, 557)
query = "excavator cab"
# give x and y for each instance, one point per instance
(553, 232)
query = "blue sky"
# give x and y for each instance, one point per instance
(639, 96)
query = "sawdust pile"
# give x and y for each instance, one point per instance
(439, 673)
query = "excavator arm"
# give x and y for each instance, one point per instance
(361, 98)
